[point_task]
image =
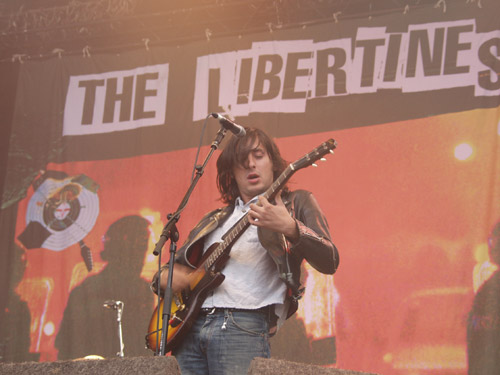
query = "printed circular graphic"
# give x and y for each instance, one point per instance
(66, 209)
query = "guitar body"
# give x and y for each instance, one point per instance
(185, 306)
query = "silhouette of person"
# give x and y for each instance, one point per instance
(87, 327)
(16, 322)
(483, 325)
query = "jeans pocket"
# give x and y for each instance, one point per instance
(250, 322)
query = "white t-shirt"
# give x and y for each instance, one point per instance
(251, 275)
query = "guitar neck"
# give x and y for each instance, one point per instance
(237, 230)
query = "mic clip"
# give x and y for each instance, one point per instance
(112, 304)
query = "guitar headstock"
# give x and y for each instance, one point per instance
(316, 154)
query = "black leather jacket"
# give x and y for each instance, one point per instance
(314, 244)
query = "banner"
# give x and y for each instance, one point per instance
(103, 148)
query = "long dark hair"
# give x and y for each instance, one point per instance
(236, 152)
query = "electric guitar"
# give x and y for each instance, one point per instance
(186, 304)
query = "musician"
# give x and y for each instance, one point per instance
(261, 287)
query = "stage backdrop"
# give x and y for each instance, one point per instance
(103, 148)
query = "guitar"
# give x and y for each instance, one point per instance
(186, 304)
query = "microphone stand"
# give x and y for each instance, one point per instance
(170, 232)
(118, 306)
(119, 312)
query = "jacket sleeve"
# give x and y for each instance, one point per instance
(314, 244)
(193, 243)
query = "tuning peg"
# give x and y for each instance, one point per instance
(322, 159)
(331, 152)
(314, 164)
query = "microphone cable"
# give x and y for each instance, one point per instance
(199, 145)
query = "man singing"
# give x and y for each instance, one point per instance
(261, 286)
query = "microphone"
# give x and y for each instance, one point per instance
(111, 304)
(236, 129)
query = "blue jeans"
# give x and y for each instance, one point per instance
(224, 343)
